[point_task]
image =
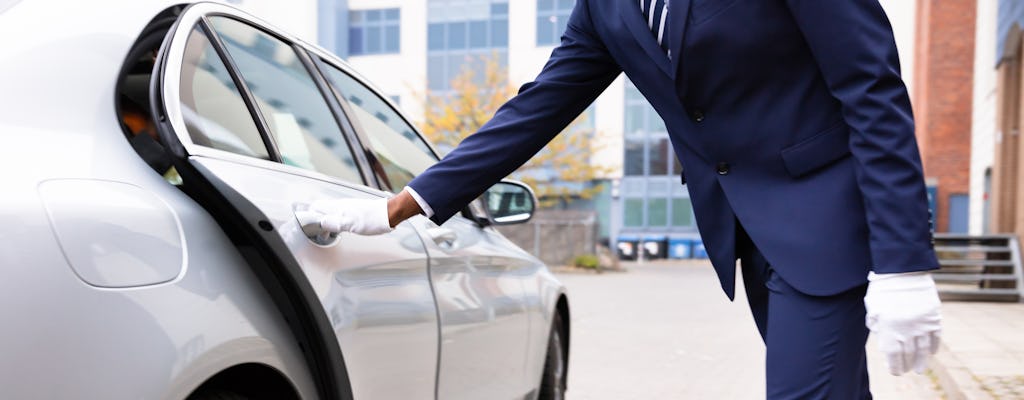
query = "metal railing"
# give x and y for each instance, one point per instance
(984, 267)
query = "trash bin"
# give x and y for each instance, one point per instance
(698, 249)
(627, 246)
(680, 247)
(655, 247)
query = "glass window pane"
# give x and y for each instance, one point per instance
(657, 212)
(545, 5)
(302, 125)
(373, 15)
(634, 158)
(215, 114)
(545, 30)
(682, 212)
(657, 156)
(435, 36)
(478, 34)
(566, 4)
(676, 166)
(392, 14)
(355, 17)
(373, 40)
(499, 9)
(402, 153)
(355, 41)
(436, 77)
(457, 35)
(633, 212)
(499, 33)
(391, 38)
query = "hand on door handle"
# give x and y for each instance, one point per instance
(309, 221)
(359, 216)
(442, 236)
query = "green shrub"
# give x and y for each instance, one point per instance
(588, 261)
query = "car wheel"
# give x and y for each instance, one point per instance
(218, 395)
(552, 385)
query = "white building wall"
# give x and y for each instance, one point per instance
(903, 18)
(983, 126)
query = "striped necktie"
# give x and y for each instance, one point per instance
(655, 11)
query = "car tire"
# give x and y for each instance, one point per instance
(218, 395)
(552, 385)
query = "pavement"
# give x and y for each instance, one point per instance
(665, 330)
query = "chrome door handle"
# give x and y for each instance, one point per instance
(442, 236)
(309, 222)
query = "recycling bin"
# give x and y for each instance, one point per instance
(698, 249)
(627, 246)
(680, 247)
(655, 247)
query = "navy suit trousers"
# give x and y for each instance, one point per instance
(815, 343)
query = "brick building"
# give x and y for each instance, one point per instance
(943, 82)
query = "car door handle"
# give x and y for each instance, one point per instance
(309, 222)
(442, 236)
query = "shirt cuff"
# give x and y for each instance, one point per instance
(429, 212)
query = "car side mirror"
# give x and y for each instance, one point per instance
(510, 202)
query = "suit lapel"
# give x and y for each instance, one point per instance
(678, 14)
(630, 12)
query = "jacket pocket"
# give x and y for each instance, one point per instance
(817, 151)
(703, 10)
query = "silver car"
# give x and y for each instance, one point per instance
(158, 165)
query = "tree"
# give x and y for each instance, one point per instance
(558, 174)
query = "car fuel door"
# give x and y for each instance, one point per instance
(256, 138)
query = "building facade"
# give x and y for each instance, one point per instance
(1007, 199)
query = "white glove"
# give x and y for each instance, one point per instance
(903, 312)
(359, 216)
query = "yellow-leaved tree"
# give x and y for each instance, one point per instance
(560, 173)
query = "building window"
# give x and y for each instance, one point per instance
(647, 148)
(464, 34)
(374, 31)
(552, 16)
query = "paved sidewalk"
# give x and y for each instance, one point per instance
(664, 330)
(983, 351)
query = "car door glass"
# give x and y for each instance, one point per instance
(214, 112)
(401, 152)
(300, 121)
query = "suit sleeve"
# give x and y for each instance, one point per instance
(578, 70)
(853, 44)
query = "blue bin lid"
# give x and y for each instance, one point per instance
(654, 238)
(628, 238)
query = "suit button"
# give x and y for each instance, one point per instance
(697, 115)
(723, 168)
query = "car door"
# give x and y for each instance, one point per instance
(478, 276)
(255, 131)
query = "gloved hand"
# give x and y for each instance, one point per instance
(903, 312)
(359, 216)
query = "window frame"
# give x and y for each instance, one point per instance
(364, 24)
(321, 61)
(171, 84)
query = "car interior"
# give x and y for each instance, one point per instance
(131, 98)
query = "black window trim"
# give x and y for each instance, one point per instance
(243, 88)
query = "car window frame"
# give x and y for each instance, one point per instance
(328, 61)
(171, 85)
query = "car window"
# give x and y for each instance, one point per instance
(300, 121)
(401, 151)
(214, 112)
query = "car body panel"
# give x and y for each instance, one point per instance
(68, 339)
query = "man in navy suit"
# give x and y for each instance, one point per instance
(795, 132)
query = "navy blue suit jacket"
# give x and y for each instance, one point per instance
(789, 116)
